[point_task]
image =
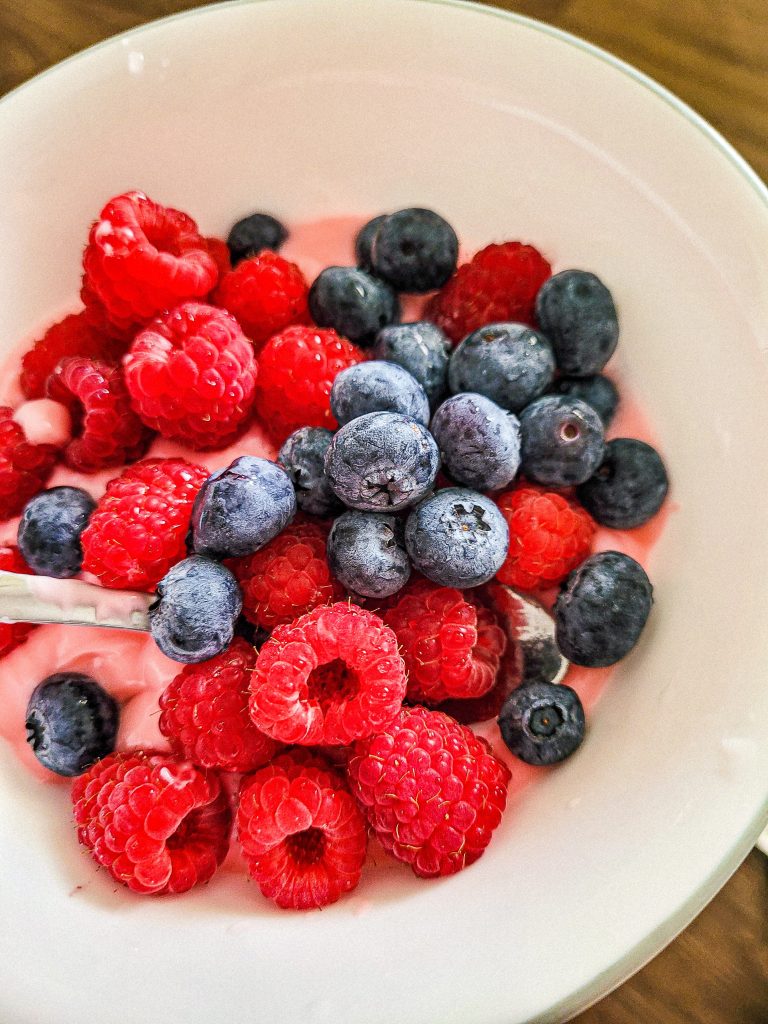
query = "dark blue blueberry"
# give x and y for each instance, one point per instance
(597, 391)
(628, 487)
(253, 234)
(422, 349)
(509, 363)
(303, 459)
(50, 529)
(382, 462)
(457, 538)
(576, 312)
(240, 509)
(376, 386)
(479, 441)
(414, 250)
(352, 302)
(71, 723)
(194, 616)
(601, 609)
(561, 441)
(366, 553)
(542, 723)
(364, 242)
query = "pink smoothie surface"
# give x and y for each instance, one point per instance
(128, 665)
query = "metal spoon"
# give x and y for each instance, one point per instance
(41, 599)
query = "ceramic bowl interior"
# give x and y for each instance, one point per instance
(512, 130)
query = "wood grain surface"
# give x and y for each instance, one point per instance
(713, 54)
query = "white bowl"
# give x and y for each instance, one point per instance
(513, 130)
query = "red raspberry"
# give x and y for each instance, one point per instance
(139, 527)
(24, 467)
(287, 577)
(548, 536)
(13, 633)
(205, 713)
(95, 315)
(266, 294)
(432, 791)
(143, 258)
(106, 431)
(191, 374)
(296, 371)
(219, 249)
(72, 336)
(157, 824)
(499, 283)
(301, 831)
(330, 677)
(451, 646)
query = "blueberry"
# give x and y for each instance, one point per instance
(597, 391)
(422, 349)
(542, 723)
(509, 363)
(415, 250)
(376, 386)
(576, 312)
(366, 553)
(628, 487)
(457, 538)
(303, 458)
(352, 302)
(382, 462)
(601, 609)
(253, 234)
(479, 441)
(240, 509)
(50, 529)
(561, 441)
(364, 242)
(71, 723)
(194, 616)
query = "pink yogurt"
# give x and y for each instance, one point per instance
(128, 665)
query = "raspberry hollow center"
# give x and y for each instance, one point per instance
(306, 847)
(332, 683)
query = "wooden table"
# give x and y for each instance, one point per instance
(714, 54)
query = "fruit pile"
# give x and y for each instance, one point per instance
(327, 607)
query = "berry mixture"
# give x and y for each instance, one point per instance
(338, 481)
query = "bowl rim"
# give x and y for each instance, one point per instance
(680, 917)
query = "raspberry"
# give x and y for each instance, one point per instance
(95, 315)
(24, 467)
(301, 831)
(287, 577)
(500, 283)
(266, 294)
(451, 646)
(106, 431)
(139, 528)
(143, 258)
(548, 536)
(157, 824)
(296, 371)
(219, 250)
(191, 375)
(432, 791)
(72, 336)
(13, 633)
(330, 677)
(205, 713)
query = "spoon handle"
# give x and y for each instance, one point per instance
(41, 599)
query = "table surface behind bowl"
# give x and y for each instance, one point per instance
(715, 57)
